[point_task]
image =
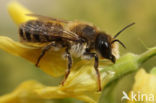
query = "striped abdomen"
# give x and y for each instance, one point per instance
(39, 31)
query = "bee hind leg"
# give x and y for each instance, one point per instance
(45, 49)
(69, 58)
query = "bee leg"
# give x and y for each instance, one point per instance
(69, 66)
(96, 64)
(45, 49)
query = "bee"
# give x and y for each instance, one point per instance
(80, 40)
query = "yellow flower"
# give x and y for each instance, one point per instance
(144, 88)
(81, 83)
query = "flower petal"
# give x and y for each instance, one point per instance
(145, 83)
(34, 92)
(81, 84)
(19, 13)
(52, 63)
(24, 94)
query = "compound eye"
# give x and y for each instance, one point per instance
(103, 46)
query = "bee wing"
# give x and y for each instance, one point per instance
(67, 34)
(45, 18)
(40, 27)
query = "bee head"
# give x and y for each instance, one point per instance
(103, 46)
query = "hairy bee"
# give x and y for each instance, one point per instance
(79, 40)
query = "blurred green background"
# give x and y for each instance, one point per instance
(109, 15)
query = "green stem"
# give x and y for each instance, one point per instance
(128, 63)
(147, 55)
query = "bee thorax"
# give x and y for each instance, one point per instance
(78, 49)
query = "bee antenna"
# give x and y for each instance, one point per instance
(124, 29)
(116, 40)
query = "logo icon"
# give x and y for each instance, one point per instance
(125, 96)
(138, 96)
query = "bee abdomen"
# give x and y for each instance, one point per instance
(39, 31)
(21, 33)
(32, 37)
(28, 36)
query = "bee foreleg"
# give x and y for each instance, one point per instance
(45, 49)
(96, 64)
(68, 55)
